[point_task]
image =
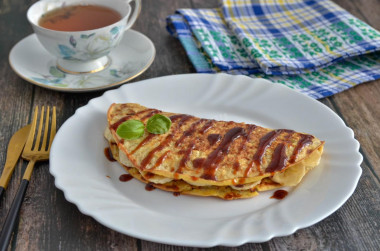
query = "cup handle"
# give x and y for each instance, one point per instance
(135, 13)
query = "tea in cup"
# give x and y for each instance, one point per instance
(82, 33)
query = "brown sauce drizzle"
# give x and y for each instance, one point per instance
(125, 177)
(143, 142)
(207, 126)
(304, 141)
(185, 158)
(279, 159)
(213, 138)
(189, 132)
(264, 143)
(150, 155)
(183, 118)
(212, 161)
(242, 147)
(161, 159)
(115, 125)
(149, 114)
(198, 162)
(108, 154)
(279, 194)
(176, 194)
(236, 167)
(149, 187)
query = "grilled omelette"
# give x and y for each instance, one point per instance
(206, 157)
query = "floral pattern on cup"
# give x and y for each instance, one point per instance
(80, 48)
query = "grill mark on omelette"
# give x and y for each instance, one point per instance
(264, 143)
(210, 165)
(209, 124)
(143, 142)
(304, 141)
(161, 158)
(115, 125)
(183, 118)
(279, 157)
(189, 132)
(184, 160)
(193, 128)
(150, 114)
(241, 149)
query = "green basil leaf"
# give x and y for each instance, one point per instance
(131, 129)
(158, 124)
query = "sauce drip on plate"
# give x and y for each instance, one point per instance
(108, 154)
(279, 194)
(125, 177)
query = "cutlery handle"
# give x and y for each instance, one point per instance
(10, 221)
(2, 189)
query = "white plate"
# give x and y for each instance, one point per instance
(32, 62)
(80, 168)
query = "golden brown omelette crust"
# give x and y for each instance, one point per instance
(181, 187)
(209, 152)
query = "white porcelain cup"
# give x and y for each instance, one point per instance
(83, 51)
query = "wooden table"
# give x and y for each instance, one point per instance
(48, 222)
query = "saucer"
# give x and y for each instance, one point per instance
(33, 63)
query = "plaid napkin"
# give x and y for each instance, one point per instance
(315, 47)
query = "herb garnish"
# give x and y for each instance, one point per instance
(134, 129)
(158, 124)
(131, 129)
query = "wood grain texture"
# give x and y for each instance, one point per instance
(49, 222)
(359, 106)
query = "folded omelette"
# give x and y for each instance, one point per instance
(206, 157)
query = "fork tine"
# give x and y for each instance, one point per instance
(38, 139)
(53, 127)
(29, 141)
(43, 145)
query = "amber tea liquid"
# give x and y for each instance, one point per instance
(79, 18)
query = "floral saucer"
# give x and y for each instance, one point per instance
(33, 63)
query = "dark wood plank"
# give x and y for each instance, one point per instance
(170, 56)
(16, 95)
(359, 106)
(366, 10)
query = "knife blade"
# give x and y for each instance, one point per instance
(15, 147)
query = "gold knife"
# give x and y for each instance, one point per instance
(15, 147)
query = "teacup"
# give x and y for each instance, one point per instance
(83, 51)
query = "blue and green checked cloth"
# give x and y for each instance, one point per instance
(313, 46)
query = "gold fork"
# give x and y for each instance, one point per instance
(34, 150)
